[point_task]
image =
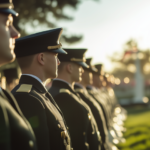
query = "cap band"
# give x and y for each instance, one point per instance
(55, 47)
(76, 59)
(7, 5)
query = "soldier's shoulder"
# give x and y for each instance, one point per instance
(26, 92)
(64, 91)
(22, 88)
(64, 94)
(25, 88)
(79, 90)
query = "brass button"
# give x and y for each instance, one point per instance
(67, 128)
(63, 134)
(58, 125)
(99, 135)
(89, 116)
(84, 133)
(31, 144)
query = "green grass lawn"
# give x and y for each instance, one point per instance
(138, 130)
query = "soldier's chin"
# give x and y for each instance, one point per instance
(13, 57)
(54, 76)
(10, 57)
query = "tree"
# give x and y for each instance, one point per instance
(126, 64)
(40, 13)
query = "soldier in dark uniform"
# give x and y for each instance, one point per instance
(15, 131)
(80, 88)
(93, 90)
(37, 56)
(82, 126)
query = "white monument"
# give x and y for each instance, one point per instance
(139, 82)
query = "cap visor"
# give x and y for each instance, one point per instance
(93, 69)
(9, 11)
(59, 51)
(83, 64)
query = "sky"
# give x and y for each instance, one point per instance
(107, 25)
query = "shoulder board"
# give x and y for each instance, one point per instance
(64, 91)
(91, 91)
(79, 90)
(25, 88)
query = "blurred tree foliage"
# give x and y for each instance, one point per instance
(125, 61)
(43, 13)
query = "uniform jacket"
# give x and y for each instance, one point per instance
(97, 112)
(96, 95)
(43, 114)
(82, 126)
(15, 131)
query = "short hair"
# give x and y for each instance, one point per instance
(25, 62)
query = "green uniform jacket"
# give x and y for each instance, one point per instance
(43, 114)
(15, 131)
(97, 112)
(82, 126)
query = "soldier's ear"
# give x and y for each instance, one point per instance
(69, 68)
(40, 58)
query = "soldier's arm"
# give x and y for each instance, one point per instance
(34, 111)
(4, 128)
(97, 117)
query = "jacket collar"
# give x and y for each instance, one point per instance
(61, 85)
(79, 86)
(25, 79)
(76, 85)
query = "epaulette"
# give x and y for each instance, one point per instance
(91, 91)
(79, 90)
(25, 88)
(64, 91)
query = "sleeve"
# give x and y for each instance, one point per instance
(34, 111)
(98, 117)
(4, 128)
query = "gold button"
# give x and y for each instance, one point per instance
(63, 134)
(84, 133)
(31, 144)
(58, 125)
(89, 116)
(67, 128)
(99, 135)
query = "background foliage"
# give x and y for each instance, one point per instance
(45, 13)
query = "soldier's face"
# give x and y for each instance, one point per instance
(87, 77)
(51, 64)
(8, 34)
(96, 81)
(77, 72)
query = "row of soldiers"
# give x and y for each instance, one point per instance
(78, 112)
